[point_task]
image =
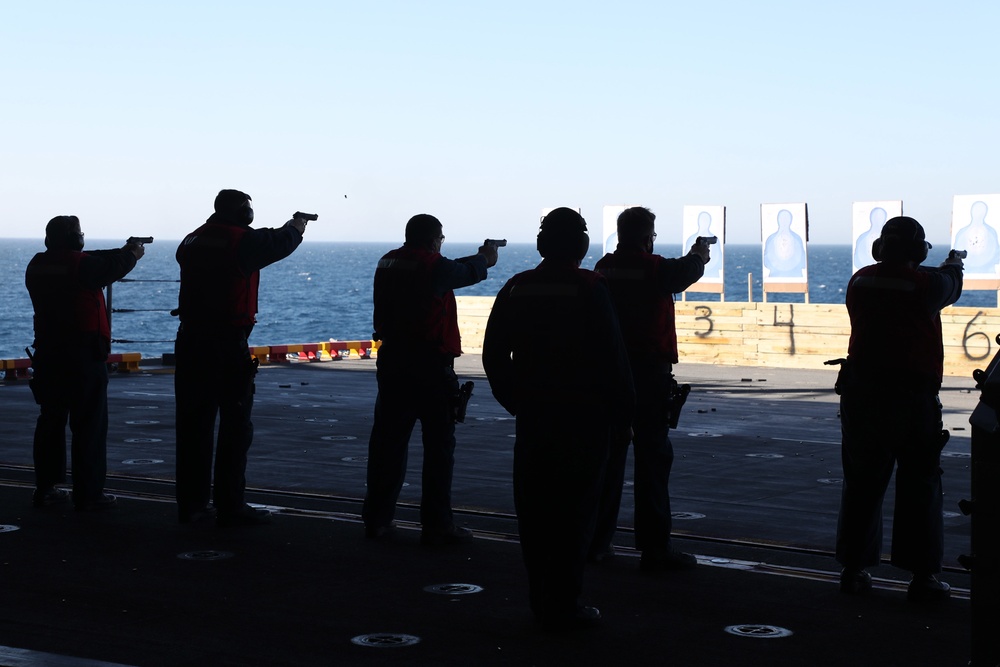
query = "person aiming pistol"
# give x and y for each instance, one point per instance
(415, 319)
(642, 288)
(220, 265)
(890, 412)
(71, 381)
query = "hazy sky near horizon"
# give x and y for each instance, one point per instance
(132, 115)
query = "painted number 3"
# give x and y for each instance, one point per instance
(704, 313)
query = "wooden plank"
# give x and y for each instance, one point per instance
(801, 288)
(713, 340)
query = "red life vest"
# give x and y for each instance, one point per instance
(214, 290)
(407, 311)
(645, 314)
(65, 310)
(894, 334)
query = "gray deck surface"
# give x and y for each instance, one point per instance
(755, 491)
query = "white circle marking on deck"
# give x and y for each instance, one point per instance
(757, 631)
(205, 555)
(453, 589)
(385, 640)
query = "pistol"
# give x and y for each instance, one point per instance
(306, 216)
(706, 240)
(141, 240)
(961, 254)
(495, 243)
(460, 402)
(675, 401)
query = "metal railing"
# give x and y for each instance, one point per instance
(109, 299)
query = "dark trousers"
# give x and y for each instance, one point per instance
(901, 429)
(559, 459)
(411, 388)
(74, 391)
(213, 379)
(654, 457)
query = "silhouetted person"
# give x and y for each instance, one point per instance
(555, 359)
(890, 411)
(72, 342)
(642, 288)
(416, 320)
(220, 265)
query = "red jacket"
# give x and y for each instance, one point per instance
(65, 310)
(645, 311)
(214, 290)
(895, 326)
(408, 312)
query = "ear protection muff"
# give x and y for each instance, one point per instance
(877, 249)
(72, 239)
(246, 212)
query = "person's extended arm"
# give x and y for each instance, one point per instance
(450, 274)
(676, 275)
(946, 284)
(100, 268)
(261, 247)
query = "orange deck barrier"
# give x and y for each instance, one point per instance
(17, 369)
(14, 369)
(333, 350)
(125, 362)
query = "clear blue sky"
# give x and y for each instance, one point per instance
(134, 114)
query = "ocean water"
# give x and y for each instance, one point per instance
(324, 290)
